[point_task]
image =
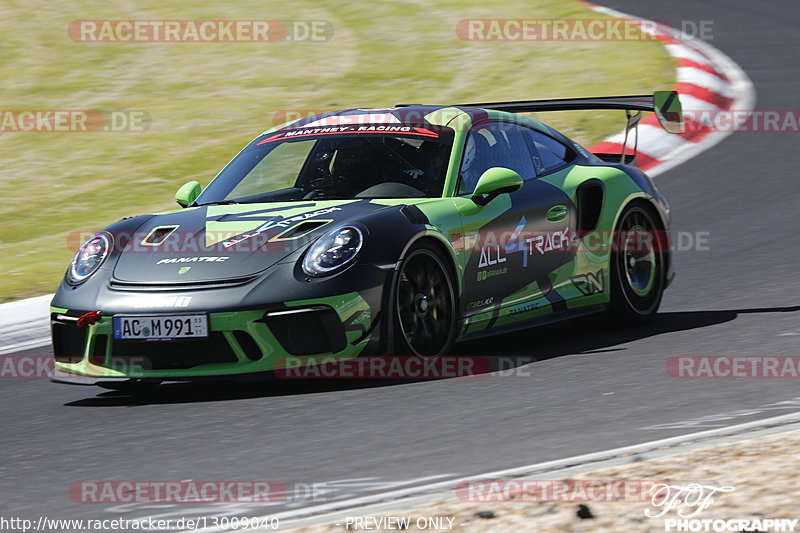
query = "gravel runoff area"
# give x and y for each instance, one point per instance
(759, 478)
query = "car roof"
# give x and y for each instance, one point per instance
(456, 117)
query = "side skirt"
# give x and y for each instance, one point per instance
(532, 323)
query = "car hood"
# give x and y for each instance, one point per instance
(223, 242)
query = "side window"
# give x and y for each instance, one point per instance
(496, 144)
(551, 153)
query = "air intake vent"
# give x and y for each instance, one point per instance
(301, 230)
(158, 235)
(177, 286)
(307, 331)
(173, 355)
(248, 345)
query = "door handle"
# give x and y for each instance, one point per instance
(557, 213)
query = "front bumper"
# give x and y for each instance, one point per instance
(240, 342)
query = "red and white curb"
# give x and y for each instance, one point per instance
(707, 81)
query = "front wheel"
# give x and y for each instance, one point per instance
(637, 266)
(424, 304)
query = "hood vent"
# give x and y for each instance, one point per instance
(158, 235)
(301, 230)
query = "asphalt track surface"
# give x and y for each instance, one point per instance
(590, 389)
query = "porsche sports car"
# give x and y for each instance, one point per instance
(372, 231)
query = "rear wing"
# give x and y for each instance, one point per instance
(665, 104)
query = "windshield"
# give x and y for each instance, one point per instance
(336, 163)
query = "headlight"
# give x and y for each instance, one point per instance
(333, 251)
(89, 258)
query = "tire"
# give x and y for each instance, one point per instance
(423, 303)
(637, 266)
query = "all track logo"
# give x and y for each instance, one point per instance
(494, 252)
(491, 255)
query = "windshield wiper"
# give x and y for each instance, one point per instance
(221, 202)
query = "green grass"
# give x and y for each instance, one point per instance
(207, 100)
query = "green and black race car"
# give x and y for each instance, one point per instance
(371, 231)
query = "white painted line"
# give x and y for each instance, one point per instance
(23, 307)
(25, 324)
(22, 346)
(353, 504)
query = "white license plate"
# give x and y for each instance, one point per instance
(160, 327)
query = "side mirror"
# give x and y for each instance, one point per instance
(188, 193)
(494, 182)
(667, 105)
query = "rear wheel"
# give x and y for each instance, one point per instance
(424, 304)
(637, 266)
